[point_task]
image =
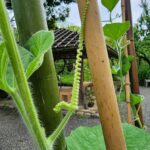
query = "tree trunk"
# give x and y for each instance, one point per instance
(30, 18)
(102, 78)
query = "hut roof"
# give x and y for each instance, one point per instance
(66, 44)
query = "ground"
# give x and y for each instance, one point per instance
(146, 106)
(14, 136)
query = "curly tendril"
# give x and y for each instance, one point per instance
(76, 83)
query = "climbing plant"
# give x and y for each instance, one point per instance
(17, 64)
(122, 65)
(114, 33)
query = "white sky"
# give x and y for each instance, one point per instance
(75, 20)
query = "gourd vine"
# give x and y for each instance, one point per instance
(122, 65)
(73, 105)
(76, 83)
(22, 63)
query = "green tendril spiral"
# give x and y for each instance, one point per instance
(71, 107)
(76, 83)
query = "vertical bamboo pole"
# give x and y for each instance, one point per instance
(102, 78)
(131, 51)
(30, 18)
(127, 77)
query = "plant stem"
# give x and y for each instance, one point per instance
(60, 127)
(22, 84)
(131, 50)
(20, 106)
(110, 17)
(30, 18)
(77, 76)
(136, 115)
(119, 50)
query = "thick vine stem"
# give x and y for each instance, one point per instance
(76, 83)
(21, 80)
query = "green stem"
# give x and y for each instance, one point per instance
(60, 127)
(75, 92)
(20, 106)
(110, 17)
(136, 115)
(46, 91)
(22, 111)
(21, 80)
(119, 50)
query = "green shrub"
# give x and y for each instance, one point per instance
(65, 71)
(144, 72)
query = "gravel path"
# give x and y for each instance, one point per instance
(146, 106)
(14, 136)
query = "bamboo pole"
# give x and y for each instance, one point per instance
(30, 18)
(102, 78)
(127, 77)
(131, 51)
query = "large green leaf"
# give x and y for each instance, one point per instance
(91, 138)
(115, 69)
(121, 97)
(26, 57)
(10, 77)
(126, 63)
(3, 60)
(109, 4)
(136, 99)
(115, 31)
(86, 138)
(3, 66)
(38, 45)
(40, 42)
(110, 42)
(6, 72)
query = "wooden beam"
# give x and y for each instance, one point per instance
(102, 78)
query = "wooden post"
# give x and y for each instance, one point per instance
(127, 77)
(131, 51)
(102, 78)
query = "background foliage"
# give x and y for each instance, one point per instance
(56, 10)
(142, 41)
